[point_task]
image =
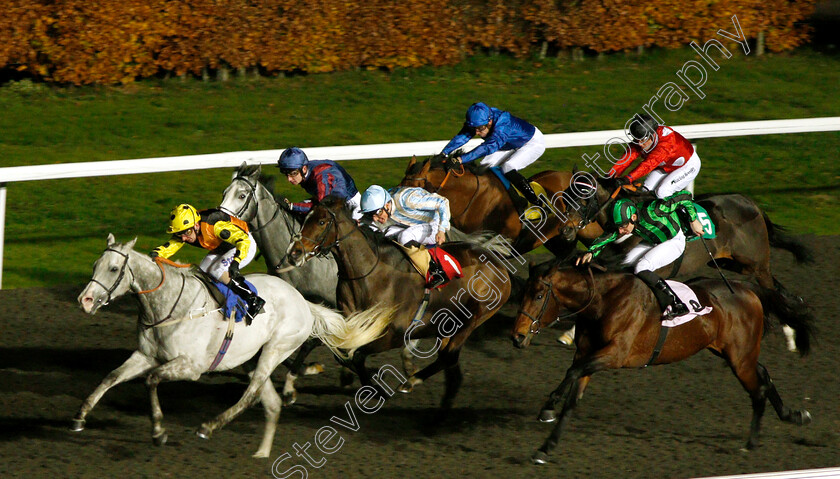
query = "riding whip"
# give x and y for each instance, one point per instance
(703, 240)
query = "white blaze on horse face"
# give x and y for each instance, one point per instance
(235, 199)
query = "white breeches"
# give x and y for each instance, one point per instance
(664, 184)
(217, 264)
(519, 158)
(354, 204)
(422, 233)
(648, 257)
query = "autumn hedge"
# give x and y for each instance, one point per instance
(118, 41)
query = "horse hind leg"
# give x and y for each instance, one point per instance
(799, 417)
(295, 369)
(272, 405)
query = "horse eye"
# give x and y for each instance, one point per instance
(114, 269)
(322, 223)
(242, 196)
(539, 296)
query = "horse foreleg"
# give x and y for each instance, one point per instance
(178, 369)
(136, 365)
(567, 394)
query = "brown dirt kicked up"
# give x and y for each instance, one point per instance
(688, 419)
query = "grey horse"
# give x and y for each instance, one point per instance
(272, 227)
(182, 333)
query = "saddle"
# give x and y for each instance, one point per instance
(421, 258)
(224, 297)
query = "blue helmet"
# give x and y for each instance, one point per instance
(478, 114)
(374, 198)
(292, 159)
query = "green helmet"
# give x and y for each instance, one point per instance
(622, 211)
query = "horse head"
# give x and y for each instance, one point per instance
(553, 293)
(109, 278)
(242, 196)
(320, 230)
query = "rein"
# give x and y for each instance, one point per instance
(320, 250)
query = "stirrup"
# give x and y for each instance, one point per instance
(436, 279)
(674, 310)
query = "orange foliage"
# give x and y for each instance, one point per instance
(117, 41)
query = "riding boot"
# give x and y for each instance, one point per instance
(437, 276)
(255, 303)
(671, 305)
(521, 183)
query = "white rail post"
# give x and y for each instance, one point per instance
(2, 226)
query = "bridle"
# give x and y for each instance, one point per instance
(252, 196)
(125, 267)
(535, 326)
(319, 250)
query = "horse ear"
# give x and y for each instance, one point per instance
(130, 244)
(111, 239)
(426, 166)
(411, 163)
(574, 169)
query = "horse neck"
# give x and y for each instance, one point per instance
(175, 288)
(590, 294)
(272, 227)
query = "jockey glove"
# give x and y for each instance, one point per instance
(622, 181)
(153, 254)
(233, 270)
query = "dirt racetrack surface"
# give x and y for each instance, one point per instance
(688, 419)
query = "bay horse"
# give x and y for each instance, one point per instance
(182, 333)
(744, 237)
(373, 270)
(618, 326)
(479, 202)
(250, 198)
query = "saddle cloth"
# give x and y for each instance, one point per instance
(232, 301)
(688, 297)
(532, 214)
(420, 256)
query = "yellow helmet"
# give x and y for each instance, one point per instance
(183, 217)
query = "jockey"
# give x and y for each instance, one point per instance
(663, 241)
(509, 142)
(416, 217)
(670, 161)
(231, 247)
(320, 178)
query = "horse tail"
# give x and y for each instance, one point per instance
(360, 328)
(790, 311)
(489, 240)
(778, 239)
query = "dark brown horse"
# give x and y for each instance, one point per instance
(374, 270)
(618, 326)
(479, 202)
(745, 235)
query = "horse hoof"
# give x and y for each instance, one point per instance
(204, 432)
(548, 415)
(313, 369)
(78, 425)
(289, 399)
(405, 388)
(539, 458)
(805, 417)
(160, 440)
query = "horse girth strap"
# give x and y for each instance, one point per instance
(663, 333)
